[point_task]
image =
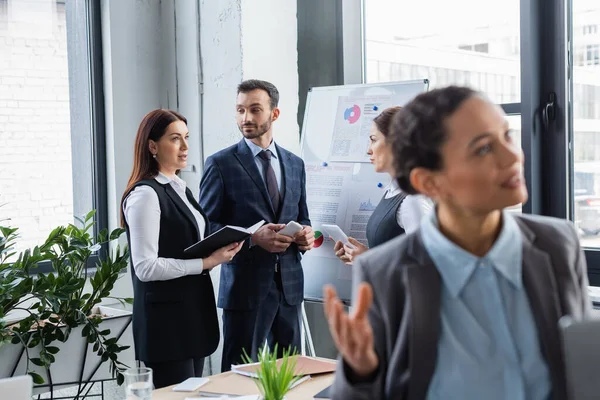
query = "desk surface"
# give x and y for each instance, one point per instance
(232, 383)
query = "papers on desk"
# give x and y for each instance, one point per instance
(250, 397)
(299, 381)
(304, 366)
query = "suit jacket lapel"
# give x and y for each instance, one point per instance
(245, 157)
(542, 291)
(182, 207)
(423, 284)
(286, 175)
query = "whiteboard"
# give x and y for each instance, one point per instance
(342, 186)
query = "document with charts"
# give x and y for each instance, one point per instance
(353, 126)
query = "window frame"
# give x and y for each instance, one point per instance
(592, 255)
(88, 129)
(546, 52)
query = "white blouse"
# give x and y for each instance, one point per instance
(142, 212)
(412, 209)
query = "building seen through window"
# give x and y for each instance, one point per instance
(408, 40)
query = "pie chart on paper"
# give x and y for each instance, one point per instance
(318, 239)
(352, 114)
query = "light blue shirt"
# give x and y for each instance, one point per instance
(255, 149)
(488, 346)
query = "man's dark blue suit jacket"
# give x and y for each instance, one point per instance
(233, 192)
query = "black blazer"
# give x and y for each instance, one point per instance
(176, 319)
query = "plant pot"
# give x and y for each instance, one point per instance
(10, 355)
(76, 361)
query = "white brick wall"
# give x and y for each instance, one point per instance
(35, 143)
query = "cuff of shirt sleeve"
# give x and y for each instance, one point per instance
(357, 380)
(193, 267)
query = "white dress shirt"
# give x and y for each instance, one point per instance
(412, 209)
(142, 212)
(255, 149)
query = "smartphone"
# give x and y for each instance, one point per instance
(291, 229)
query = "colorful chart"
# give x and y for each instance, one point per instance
(352, 114)
(318, 239)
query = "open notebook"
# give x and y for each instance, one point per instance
(224, 236)
(304, 366)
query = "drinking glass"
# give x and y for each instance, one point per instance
(138, 383)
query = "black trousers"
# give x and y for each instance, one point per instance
(273, 320)
(173, 372)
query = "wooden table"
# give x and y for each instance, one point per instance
(232, 383)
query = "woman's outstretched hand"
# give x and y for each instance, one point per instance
(353, 335)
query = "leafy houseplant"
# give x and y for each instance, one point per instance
(275, 377)
(53, 304)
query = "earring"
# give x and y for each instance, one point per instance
(153, 155)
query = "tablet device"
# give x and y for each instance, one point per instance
(337, 234)
(323, 394)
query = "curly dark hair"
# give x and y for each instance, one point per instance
(418, 131)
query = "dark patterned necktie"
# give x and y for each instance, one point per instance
(271, 180)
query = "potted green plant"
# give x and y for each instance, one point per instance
(275, 377)
(47, 318)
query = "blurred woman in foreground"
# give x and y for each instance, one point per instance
(467, 307)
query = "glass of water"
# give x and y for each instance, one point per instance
(138, 383)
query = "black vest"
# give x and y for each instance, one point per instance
(382, 225)
(176, 319)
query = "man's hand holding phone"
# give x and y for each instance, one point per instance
(269, 239)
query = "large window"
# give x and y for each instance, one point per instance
(586, 120)
(50, 130)
(465, 42)
(520, 53)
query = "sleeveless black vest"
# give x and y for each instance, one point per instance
(176, 319)
(382, 225)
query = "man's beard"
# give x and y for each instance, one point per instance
(257, 132)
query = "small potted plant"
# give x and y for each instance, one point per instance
(275, 376)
